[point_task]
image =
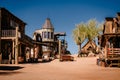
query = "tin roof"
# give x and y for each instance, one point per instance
(47, 24)
(5, 10)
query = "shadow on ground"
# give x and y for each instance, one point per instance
(10, 68)
(8, 73)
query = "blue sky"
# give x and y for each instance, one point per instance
(64, 14)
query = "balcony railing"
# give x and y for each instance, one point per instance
(113, 51)
(8, 33)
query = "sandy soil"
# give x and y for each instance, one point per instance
(80, 69)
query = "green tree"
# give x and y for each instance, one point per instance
(79, 35)
(93, 29)
(89, 31)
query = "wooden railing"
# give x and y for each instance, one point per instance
(8, 33)
(113, 57)
(113, 50)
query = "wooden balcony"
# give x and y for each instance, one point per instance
(6, 34)
(11, 34)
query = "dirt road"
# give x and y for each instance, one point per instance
(80, 69)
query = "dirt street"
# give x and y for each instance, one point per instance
(80, 69)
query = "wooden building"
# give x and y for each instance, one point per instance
(110, 41)
(47, 40)
(89, 46)
(89, 49)
(13, 40)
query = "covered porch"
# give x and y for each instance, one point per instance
(14, 46)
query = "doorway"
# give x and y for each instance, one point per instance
(6, 49)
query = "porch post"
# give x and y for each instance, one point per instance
(16, 47)
(13, 52)
(0, 58)
(59, 49)
(106, 47)
(0, 38)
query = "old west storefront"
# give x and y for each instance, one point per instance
(111, 33)
(110, 42)
(14, 42)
